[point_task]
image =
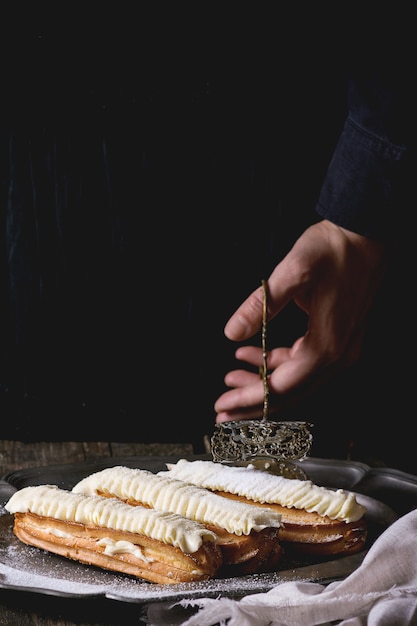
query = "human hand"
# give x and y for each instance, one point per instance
(332, 274)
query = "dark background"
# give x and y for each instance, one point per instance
(150, 177)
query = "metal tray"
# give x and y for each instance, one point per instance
(26, 568)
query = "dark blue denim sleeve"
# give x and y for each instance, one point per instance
(369, 175)
(360, 187)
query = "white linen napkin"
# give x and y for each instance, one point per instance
(382, 591)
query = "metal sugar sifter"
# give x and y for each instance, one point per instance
(268, 445)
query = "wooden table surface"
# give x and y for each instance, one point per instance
(19, 608)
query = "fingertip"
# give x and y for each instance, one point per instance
(221, 417)
(237, 328)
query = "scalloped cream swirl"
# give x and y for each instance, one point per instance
(165, 493)
(269, 488)
(51, 501)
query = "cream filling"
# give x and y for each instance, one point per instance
(58, 533)
(113, 548)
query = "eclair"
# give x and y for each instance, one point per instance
(158, 546)
(316, 520)
(248, 536)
